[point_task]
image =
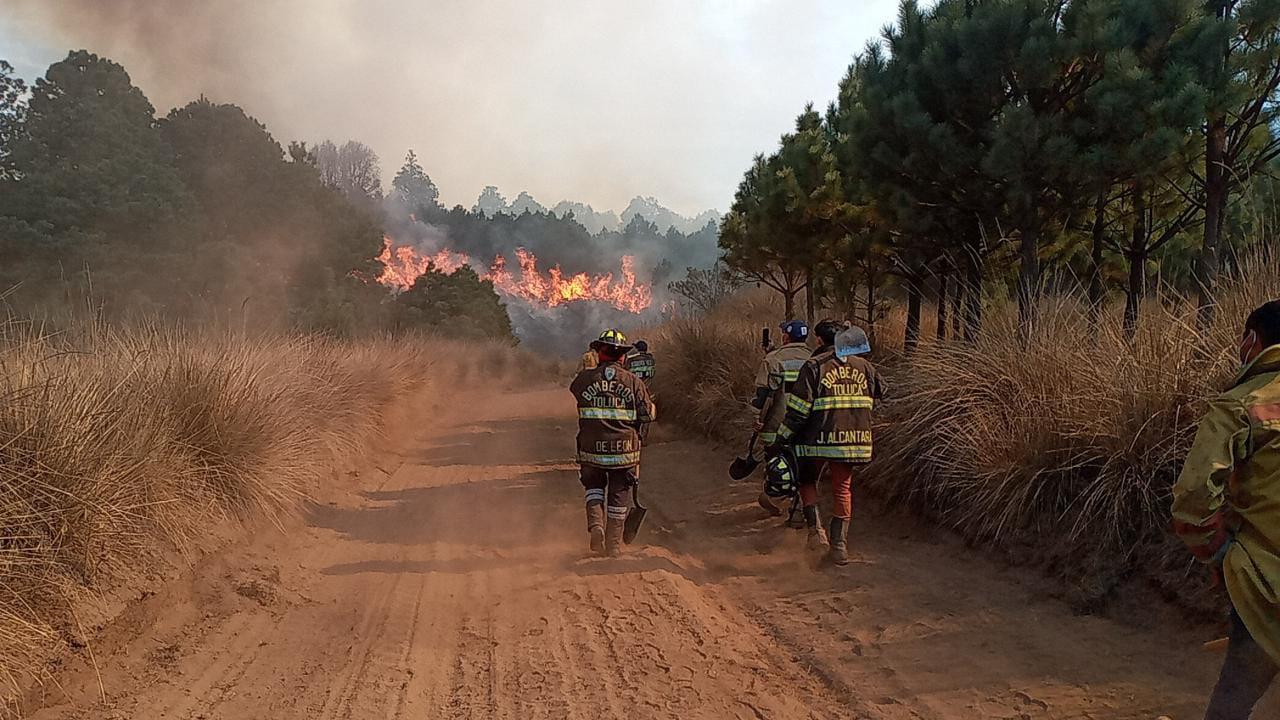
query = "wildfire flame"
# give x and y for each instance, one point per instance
(403, 265)
(554, 288)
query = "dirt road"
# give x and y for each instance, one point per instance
(456, 585)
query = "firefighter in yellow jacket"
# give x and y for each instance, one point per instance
(614, 412)
(778, 371)
(1226, 508)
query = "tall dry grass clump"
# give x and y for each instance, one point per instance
(707, 366)
(1060, 448)
(117, 445)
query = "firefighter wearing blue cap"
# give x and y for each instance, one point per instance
(778, 370)
(828, 423)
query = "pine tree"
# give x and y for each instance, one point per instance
(414, 189)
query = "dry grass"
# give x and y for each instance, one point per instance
(708, 365)
(1060, 450)
(117, 445)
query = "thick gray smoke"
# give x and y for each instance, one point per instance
(593, 101)
(659, 258)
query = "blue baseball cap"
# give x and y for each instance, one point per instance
(795, 329)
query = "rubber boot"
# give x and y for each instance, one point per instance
(817, 536)
(595, 526)
(613, 536)
(766, 502)
(839, 552)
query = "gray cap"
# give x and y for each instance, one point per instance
(852, 341)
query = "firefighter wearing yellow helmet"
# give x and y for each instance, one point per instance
(614, 412)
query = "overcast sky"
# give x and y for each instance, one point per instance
(589, 100)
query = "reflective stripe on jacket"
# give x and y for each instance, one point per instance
(613, 408)
(829, 408)
(1226, 504)
(642, 365)
(778, 371)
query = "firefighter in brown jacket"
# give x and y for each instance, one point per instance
(614, 412)
(829, 423)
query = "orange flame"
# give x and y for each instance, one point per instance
(555, 288)
(403, 265)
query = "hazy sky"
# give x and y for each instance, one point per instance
(590, 100)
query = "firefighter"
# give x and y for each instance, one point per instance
(641, 363)
(778, 370)
(828, 421)
(1226, 508)
(614, 412)
(826, 331)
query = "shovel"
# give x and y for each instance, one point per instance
(635, 518)
(741, 467)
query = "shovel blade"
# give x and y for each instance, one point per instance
(741, 467)
(634, 520)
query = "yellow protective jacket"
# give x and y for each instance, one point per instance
(1226, 504)
(780, 368)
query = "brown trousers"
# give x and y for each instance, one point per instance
(609, 487)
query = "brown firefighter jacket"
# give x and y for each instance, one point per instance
(829, 408)
(1226, 504)
(778, 371)
(614, 411)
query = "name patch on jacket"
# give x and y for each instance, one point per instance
(843, 437)
(615, 447)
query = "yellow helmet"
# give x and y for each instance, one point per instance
(612, 339)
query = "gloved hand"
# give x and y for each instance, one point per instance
(758, 425)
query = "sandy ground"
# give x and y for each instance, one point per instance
(455, 583)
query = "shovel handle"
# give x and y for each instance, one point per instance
(1217, 646)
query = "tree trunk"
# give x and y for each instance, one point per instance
(1096, 287)
(789, 303)
(973, 300)
(1137, 257)
(957, 303)
(808, 296)
(1216, 187)
(914, 299)
(871, 309)
(942, 305)
(1028, 280)
(1137, 288)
